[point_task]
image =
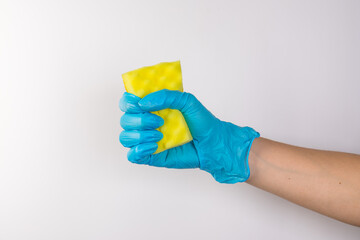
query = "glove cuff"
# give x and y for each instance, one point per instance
(227, 162)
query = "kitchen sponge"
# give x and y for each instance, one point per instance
(150, 79)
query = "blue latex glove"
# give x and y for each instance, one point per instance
(220, 148)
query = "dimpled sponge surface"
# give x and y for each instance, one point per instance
(150, 79)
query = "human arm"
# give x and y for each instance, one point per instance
(324, 181)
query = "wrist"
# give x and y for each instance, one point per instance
(228, 160)
(241, 143)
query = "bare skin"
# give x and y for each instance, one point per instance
(324, 181)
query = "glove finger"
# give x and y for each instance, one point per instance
(198, 118)
(164, 99)
(129, 103)
(140, 153)
(141, 121)
(182, 101)
(133, 138)
(181, 157)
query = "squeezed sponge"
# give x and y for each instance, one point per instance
(150, 79)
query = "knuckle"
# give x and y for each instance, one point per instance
(129, 103)
(121, 138)
(124, 139)
(190, 96)
(123, 120)
(133, 155)
(131, 158)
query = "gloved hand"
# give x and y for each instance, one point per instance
(220, 148)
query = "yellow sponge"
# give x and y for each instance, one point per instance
(150, 79)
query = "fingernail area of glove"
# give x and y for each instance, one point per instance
(147, 149)
(154, 136)
(143, 104)
(148, 103)
(137, 137)
(153, 120)
(129, 103)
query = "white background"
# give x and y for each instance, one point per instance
(289, 69)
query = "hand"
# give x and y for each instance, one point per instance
(220, 148)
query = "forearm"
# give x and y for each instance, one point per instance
(324, 181)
